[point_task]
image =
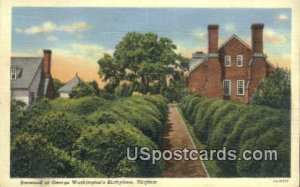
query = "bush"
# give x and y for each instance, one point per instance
(32, 156)
(103, 117)
(105, 147)
(60, 128)
(275, 91)
(159, 101)
(59, 124)
(219, 123)
(148, 124)
(273, 139)
(81, 106)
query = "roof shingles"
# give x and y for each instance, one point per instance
(29, 67)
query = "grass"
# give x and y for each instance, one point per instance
(210, 165)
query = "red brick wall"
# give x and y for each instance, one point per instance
(257, 38)
(205, 80)
(233, 48)
(214, 88)
(213, 37)
(197, 79)
(258, 73)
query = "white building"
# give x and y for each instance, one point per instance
(66, 90)
(31, 78)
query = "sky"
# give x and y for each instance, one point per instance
(78, 37)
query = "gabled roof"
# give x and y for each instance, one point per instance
(236, 37)
(27, 69)
(67, 88)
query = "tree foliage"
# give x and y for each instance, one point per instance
(85, 89)
(146, 61)
(275, 91)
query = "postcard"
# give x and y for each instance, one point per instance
(148, 93)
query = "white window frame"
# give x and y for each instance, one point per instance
(237, 87)
(229, 85)
(227, 59)
(13, 74)
(237, 60)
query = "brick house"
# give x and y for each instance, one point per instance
(231, 71)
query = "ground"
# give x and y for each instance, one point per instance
(178, 137)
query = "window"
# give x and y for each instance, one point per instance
(227, 61)
(240, 87)
(239, 61)
(227, 87)
(13, 74)
(31, 97)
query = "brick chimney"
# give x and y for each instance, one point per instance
(213, 39)
(47, 63)
(257, 39)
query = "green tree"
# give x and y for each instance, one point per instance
(143, 59)
(85, 89)
(275, 91)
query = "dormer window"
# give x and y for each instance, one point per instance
(13, 74)
(227, 61)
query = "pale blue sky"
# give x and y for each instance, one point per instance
(88, 30)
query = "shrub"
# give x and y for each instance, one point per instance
(224, 126)
(103, 117)
(39, 107)
(273, 139)
(219, 123)
(60, 128)
(248, 118)
(275, 91)
(159, 101)
(32, 156)
(148, 124)
(81, 106)
(105, 147)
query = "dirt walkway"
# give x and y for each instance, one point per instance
(178, 137)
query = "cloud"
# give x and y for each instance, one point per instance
(76, 26)
(90, 51)
(199, 34)
(45, 27)
(273, 37)
(51, 27)
(283, 61)
(52, 38)
(282, 18)
(186, 51)
(230, 27)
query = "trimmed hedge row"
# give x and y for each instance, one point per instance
(219, 123)
(93, 133)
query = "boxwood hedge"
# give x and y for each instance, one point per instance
(219, 123)
(91, 134)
